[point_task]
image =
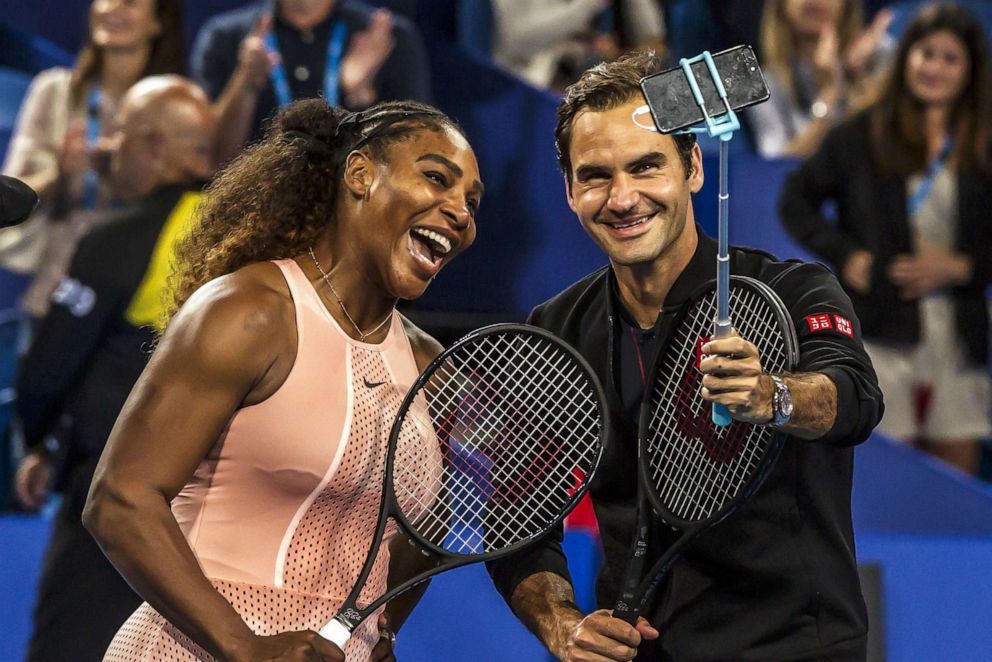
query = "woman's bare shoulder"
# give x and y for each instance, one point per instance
(249, 309)
(425, 347)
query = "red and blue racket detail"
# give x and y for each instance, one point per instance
(492, 447)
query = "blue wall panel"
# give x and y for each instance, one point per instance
(22, 542)
(937, 596)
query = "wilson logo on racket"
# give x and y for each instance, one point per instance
(580, 480)
(695, 422)
(531, 477)
(699, 351)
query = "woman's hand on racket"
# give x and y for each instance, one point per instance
(732, 376)
(599, 637)
(384, 648)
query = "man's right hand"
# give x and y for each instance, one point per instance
(599, 637)
(300, 646)
(31, 480)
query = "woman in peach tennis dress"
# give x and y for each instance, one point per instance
(239, 490)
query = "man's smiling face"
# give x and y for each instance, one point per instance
(628, 186)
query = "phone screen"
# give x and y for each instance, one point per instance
(670, 98)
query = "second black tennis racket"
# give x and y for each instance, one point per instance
(494, 444)
(692, 473)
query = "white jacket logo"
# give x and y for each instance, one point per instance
(75, 296)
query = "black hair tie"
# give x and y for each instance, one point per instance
(313, 144)
(385, 118)
(352, 118)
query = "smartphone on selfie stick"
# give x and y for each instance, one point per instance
(701, 95)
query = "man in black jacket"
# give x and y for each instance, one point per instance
(778, 580)
(91, 347)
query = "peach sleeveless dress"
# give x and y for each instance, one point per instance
(281, 511)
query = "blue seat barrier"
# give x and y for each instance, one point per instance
(13, 330)
(936, 588)
(22, 544)
(13, 86)
(936, 595)
(461, 617)
(899, 490)
(475, 27)
(22, 50)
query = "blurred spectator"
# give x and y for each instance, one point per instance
(713, 25)
(92, 346)
(404, 8)
(911, 179)
(640, 24)
(816, 57)
(261, 57)
(550, 42)
(55, 148)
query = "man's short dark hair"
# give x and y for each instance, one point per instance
(605, 87)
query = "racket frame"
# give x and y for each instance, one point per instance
(637, 589)
(350, 616)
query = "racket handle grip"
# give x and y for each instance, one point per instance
(721, 417)
(336, 632)
(627, 616)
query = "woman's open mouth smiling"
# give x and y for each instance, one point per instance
(429, 249)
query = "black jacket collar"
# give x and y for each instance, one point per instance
(701, 268)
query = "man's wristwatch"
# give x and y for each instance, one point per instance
(781, 403)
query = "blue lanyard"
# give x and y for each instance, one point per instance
(335, 49)
(91, 182)
(922, 191)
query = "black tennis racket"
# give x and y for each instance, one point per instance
(692, 473)
(494, 444)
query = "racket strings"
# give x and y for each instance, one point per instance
(461, 481)
(697, 468)
(720, 446)
(513, 429)
(536, 469)
(472, 411)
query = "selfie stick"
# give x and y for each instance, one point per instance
(722, 126)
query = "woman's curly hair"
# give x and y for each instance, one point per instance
(273, 201)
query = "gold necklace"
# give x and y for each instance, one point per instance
(327, 279)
